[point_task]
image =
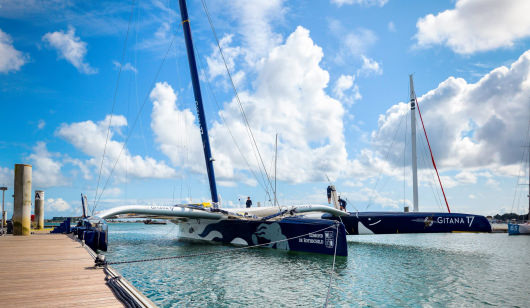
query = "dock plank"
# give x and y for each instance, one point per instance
(50, 270)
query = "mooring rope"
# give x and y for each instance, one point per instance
(333, 266)
(238, 249)
(124, 297)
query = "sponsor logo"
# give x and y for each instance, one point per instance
(428, 222)
(329, 239)
(456, 220)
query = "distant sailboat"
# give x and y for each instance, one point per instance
(522, 228)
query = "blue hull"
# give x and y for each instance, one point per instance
(291, 234)
(416, 222)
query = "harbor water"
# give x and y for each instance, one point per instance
(406, 270)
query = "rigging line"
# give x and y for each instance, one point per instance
(404, 165)
(435, 192)
(114, 102)
(333, 266)
(231, 250)
(136, 82)
(430, 150)
(521, 167)
(214, 98)
(236, 93)
(136, 119)
(386, 158)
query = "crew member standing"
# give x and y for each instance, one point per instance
(342, 204)
(249, 202)
(329, 193)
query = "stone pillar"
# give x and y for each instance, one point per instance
(39, 209)
(22, 202)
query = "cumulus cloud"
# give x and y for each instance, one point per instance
(370, 66)
(340, 3)
(58, 205)
(70, 48)
(471, 126)
(289, 99)
(216, 65)
(46, 169)
(10, 59)
(90, 137)
(254, 19)
(345, 89)
(476, 25)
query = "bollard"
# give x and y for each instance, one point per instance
(39, 209)
(22, 202)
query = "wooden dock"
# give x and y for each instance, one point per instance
(51, 270)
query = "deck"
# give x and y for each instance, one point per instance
(50, 270)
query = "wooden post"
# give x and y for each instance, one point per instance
(22, 202)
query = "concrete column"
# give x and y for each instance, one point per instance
(22, 203)
(39, 209)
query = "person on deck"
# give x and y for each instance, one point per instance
(329, 193)
(249, 202)
(342, 204)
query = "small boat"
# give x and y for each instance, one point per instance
(522, 228)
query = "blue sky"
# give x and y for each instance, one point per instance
(329, 77)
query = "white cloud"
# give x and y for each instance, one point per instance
(476, 25)
(71, 48)
(41, 124)
(46, 170)
(346, 83)
(10, 59)
(216, 66)
(85, 170)
(289, 99)
(6, 177)
(353, 43)
(370, 66)
(90, 138)
(466, 177)
(254, 19)
(340, 3)
(58, 205)
(470, 126)
(126, 67)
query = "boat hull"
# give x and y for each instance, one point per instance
(516, 229)
(289, 234)
(415, 222)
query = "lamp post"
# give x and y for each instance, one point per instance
(2, 215)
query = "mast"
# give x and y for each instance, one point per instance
(528, 218)
(198, 102)
(275, 168)
(413, 140)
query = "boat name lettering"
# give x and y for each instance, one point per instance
(316, 235)
(455, 220)
(310, 241)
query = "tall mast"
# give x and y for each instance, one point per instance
(198, 101)
(413, 139)
(528, 219)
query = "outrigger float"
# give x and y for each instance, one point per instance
(282, 228)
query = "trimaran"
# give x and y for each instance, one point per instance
(306, 228)
(282, 227)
